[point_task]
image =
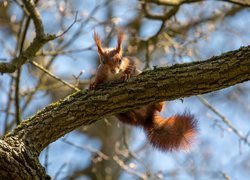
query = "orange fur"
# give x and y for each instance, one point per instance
(174, 133)
(136, 117)
(119, 42)
(177, 132)
(98, 43)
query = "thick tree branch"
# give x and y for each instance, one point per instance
(178, 81)
(19, 150)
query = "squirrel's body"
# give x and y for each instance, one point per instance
(176, 132)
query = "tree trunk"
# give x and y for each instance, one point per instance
(18, 161)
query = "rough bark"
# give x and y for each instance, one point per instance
(20, 149)
(17, 161)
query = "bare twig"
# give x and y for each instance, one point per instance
(39, 40)
(128, 169)
(69, 42)
(59, 170)
(225, 120)
(225, 175)
(87, 148)
(179, 2)
(60, 52)
(163, 17)
(17, 84)
(7, 109)
(20, 46)
(54, 76)
(70, 26)
(9, 112)
(46, 161)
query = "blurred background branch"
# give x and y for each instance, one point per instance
(159, 33)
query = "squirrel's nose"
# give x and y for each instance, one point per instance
(115, 71)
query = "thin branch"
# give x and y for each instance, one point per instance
(7, 109)
(224, 12)
(147, 57)
(238, 2)
(59, 170)
(163, 17)
(17, 107)
(90, 16)
(60, 52)
(54, 76)
(128, 153)
(20, 46)
(9, 112)
(70, 26)
(54, 55)
(180, 2)
(225, 120)
(46, 159)
(128, 169)
(39, 40)
(35, 16)
(225, 175)
(87, 148)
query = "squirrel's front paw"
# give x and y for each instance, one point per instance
(126, 77)
(92, 86)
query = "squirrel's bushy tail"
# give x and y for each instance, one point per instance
(174, 133)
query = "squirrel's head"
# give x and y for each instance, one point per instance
(110, 57)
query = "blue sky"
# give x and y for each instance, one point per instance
(214, 150)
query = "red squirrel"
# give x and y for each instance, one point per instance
(175, 133)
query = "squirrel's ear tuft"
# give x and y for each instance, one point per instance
(98, 43)
(119, 42)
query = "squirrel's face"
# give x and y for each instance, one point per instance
(111, 58)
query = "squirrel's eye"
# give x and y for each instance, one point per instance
(120, 61)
